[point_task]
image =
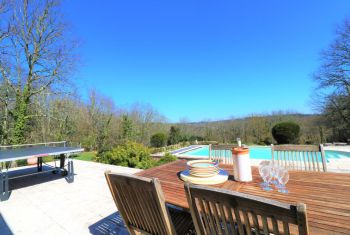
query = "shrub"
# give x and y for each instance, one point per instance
(184, 138)
(22, 162)
(158, 140)
(194, 138)
(129, 154)
(174, 135)
(166, 159)
(286, 132)
(267, 141)
(207, 142)
(170, 147)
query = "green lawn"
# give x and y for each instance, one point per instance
(86, 156)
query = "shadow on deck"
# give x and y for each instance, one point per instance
(4, 228)
(26, 177)
(110, 225)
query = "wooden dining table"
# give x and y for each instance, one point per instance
(326, 195)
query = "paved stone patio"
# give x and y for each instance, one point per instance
(50, 204)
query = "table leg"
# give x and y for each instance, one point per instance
(70, 171)
(71, 167)
(40, 164)
(4, 186)
(62, 160)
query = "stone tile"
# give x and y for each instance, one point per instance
(48, 204)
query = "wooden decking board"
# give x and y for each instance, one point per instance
(331, 202)
(327, 195)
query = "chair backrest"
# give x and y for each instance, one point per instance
(141, 203)
(218, 211)
(300, 157)
(221, 153)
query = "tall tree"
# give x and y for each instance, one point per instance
(333, 79)
(39, 58)
(145, 119)
(3, 31)
(4, 92)
(127, 128)
(100, 110)
(174, 135)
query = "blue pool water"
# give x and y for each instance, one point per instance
(265, 153)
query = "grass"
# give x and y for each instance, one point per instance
(86, 156)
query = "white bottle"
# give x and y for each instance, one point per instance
(239, 142)
(242, 169)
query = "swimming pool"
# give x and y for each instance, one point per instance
(257, 152)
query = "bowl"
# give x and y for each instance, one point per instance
(203, 168)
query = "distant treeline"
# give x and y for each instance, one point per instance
(98, 125)
(256, 129)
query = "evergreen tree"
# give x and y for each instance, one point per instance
(174, 135)
(127, 128)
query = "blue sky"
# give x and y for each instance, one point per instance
(204, 59)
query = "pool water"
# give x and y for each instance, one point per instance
(264, 153)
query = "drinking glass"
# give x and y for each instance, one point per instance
(277, 172)
(266, 174)
(274, 169)
(261, 165)
(264, 163)
(283, 177)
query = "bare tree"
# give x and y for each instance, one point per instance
(97, 120)
(4, 89)
(39, 58)
(147, 121)
(3, 9)
(333, 79)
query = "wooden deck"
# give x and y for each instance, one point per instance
(327, 195)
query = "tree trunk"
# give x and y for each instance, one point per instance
(5, 126)
(5, 122)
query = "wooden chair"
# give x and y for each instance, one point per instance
(218, 211)
(300, 157)
(141, 203)
(221, 153)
